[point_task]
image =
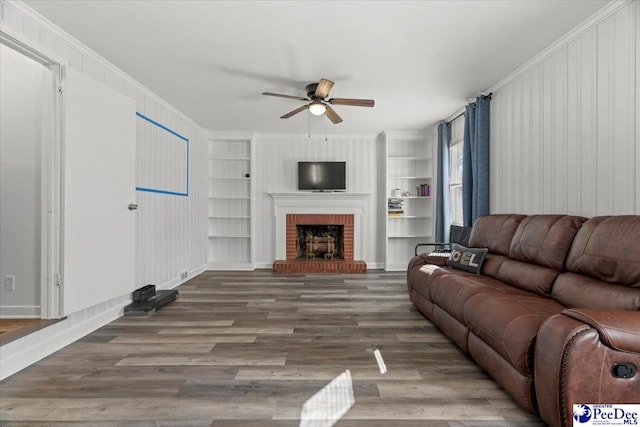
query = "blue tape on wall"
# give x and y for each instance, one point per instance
(171, 192)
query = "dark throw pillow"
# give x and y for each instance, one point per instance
(467, 259)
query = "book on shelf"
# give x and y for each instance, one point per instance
(424, 190)
(395, 207)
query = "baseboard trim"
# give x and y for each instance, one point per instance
(21, 353)
(19, 312)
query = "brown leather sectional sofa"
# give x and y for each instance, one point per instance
(553, 316)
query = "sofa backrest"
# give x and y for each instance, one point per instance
(545, 239)
(538, 251)
(603, 266)
(495, 232)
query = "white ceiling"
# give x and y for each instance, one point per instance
(420, 60)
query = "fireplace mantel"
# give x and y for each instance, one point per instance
(323, 203)
(319, 197)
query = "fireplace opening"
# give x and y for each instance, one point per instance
(319, 241)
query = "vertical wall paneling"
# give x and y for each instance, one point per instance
(276, 158)
(582, 123)
(171, 236)
(168, 243)
(563, 130)
(616, 111)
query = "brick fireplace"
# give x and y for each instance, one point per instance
(335, 211)
(295, 263)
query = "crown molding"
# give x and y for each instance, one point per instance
(17, 41)
(44, 24)
(563, 41)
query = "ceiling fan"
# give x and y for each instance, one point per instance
(317, 93)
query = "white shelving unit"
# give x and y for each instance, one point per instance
(230, 230)
(409, 167)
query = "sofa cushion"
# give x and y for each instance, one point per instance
(529, 277)
(603, 266)
(509, 324)
(452, 291)
(608, 248)
(495, 232)
(492, 264)
(538, 250)
(467, 259)
(577, 291)
(544, 239)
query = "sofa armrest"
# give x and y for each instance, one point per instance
(424, 259)
(619, 330)
(416, 263)
(575, 358)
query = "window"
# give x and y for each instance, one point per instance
(455, 171)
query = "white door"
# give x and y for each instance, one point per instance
(99, 150)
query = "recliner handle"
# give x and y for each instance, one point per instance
(623, 370)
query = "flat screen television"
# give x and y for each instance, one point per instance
(322, 176)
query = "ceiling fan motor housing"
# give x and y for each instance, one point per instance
(311, 90)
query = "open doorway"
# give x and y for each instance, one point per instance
(26, 107)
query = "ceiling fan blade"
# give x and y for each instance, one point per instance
(324, 86)
(332, 115)
(294, 112)
(351, 101)
(299, 98)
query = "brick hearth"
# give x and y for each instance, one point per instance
(293, 265)
(319, 266)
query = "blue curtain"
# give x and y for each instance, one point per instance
(443, 216)
(475, 161)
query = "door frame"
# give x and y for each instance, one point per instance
(51, 163)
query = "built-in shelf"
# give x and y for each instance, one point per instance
(409, 168)
(230, 222)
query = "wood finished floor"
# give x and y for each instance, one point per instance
(249, 348)
(13, 329)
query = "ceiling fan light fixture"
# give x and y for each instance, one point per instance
(318, 94)
(317, 108)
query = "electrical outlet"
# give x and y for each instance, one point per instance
(10, 283)
(184, 275)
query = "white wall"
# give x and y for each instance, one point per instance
(171, 231)
(564, 128)
(276, 158)
(20, 167)
(169, 240)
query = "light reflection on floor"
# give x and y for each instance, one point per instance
(331, 403)
(334, 400)
(381, 365)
